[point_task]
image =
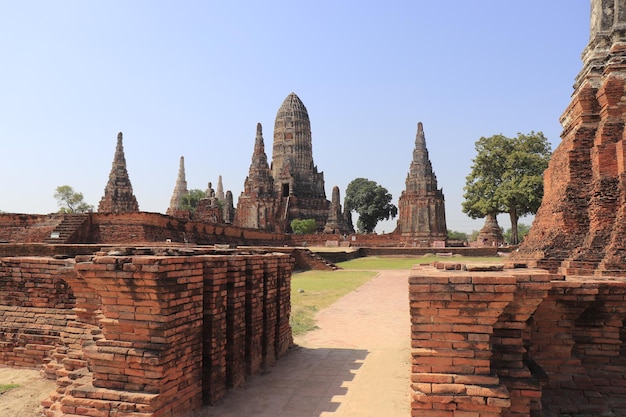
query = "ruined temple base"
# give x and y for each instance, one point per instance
(516, 342)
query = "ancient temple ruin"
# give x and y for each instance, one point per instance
(421, 207)
(337, 222)
(290, 187)
(180, 189)
(118, 193)
(256, 207)
(548, 341)
(581, 224)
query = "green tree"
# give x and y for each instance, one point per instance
(371, 201)
(70, 201)
(303, 226)
(507, 177)
(190, 200)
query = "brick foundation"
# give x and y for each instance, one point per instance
(519, 342)
(144, 335)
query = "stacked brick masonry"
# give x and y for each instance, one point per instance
(516, 343)
(35, 310)
(149, 335)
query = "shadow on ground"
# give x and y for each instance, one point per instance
(304, 383)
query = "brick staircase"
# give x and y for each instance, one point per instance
(68, 226)
(314, 261)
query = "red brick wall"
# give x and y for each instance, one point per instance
(151, 335)
(517, 342)
(34, 310)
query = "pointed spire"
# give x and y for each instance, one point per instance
(421, 205)
(335, 223)
(180, 189)
(220, 189)
(259, 157)
(421, 176)
(118, 193)
(259, 181)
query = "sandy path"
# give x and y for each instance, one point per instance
(24, 401)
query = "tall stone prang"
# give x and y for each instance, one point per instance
(297, 183)
(256, 207)
(290, 187)
(581, 224)
(336, 223)
(421, 207)
(180, 189)
(118, 193)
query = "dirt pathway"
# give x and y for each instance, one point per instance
(356, 364)
(24, 401)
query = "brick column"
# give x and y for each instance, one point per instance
(255, 272)
(236, 323)
(214, 329)
(509, 341)
(152, 326)
(452, 317)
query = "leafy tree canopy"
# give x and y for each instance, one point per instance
(190, 200)
(70, 201)
(371, 201)
(507, 177)
(303, 226)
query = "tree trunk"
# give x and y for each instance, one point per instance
(514, 218)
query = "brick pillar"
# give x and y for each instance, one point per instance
(152, 326)
(214, 329)
(452, 317)
(254, 314)
(270, 310)
(284, 337)
(236, 322)
(510, 359)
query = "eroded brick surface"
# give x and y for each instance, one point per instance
(147, 335)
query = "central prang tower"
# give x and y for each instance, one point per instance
(297, 184)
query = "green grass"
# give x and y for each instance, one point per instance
(382, 263)
(5, 387)
(312, 291)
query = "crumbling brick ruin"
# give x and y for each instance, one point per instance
(290, 187)
(118, 193)
(144, 332)
(551, 341)
(421, 207)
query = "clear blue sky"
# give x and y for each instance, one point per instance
(192, 79)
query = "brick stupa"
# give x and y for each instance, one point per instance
(421, 207)
(580, 227)
(118, 193)
(180, 189)
(336, 221)
(256, 205)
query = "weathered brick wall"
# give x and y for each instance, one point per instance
(35, 310)
(144, 335)
(27, 228)
(516, 342)
(144, 227)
